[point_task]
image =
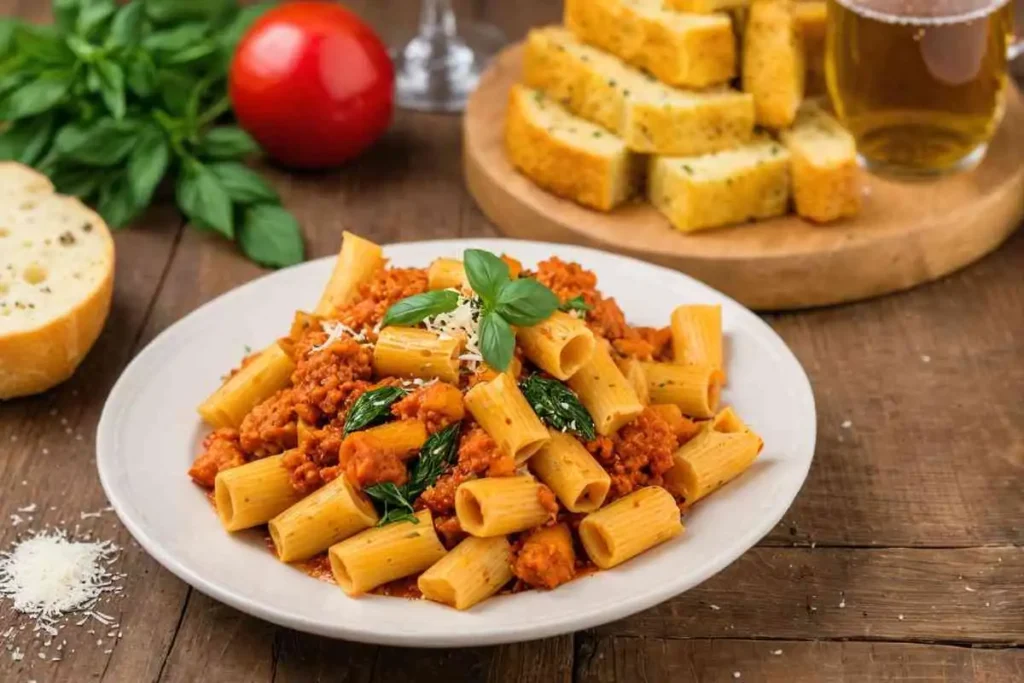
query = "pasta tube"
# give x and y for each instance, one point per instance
(694, 388)
(565, 466)
(634, 374)
(410, 352)
(357, 262)
(446, 273)
(254, 383)
(375, 556)
(495, 506)
(559, 345)
(721, 451)
(330, 514)
(505, 415)
(475, 570)
(697, 336)
(605, 392)
(629, 526)
(251, 494)
(402, 438)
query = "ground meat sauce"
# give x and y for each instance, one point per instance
(478, 456)
(544, 558)
(270, 428)
(221, 451)
(324, 380)
(437, 406)
(639, 455)
(386, 288)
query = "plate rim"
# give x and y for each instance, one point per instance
(494, 633)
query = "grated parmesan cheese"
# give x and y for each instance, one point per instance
(335, 331)
(47, 575)
(464, 322)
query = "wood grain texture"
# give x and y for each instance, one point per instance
(908, 232)
(932, 461)
(655, 660)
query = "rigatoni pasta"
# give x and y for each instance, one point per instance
(696, 389)
(252, 494)
(503, 412)
(376, 556)
(559, 346)
(457, 448)
(474, 570)
(565, 466)
(408, 352)
(629, 526)
(605, 392)
(723, 449)
(496, 506)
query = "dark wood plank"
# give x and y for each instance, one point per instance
(654, 660)
(955, 596)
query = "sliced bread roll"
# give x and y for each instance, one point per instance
(56, 279)
(566, 155)
(774, 62)
(649, 116)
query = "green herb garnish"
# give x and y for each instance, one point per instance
(415, 309)
(372, 408)
(576, 303)
(113, 98)
(436, 455)
(559, 406)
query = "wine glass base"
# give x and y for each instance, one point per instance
(967, 163)
(438, 74)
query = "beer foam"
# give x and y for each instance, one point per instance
(922, 12)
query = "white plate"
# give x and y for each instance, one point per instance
(149, 433)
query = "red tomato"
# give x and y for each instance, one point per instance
(312, 83)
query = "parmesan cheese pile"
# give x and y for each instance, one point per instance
(463, 322)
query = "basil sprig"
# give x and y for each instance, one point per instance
(372, 408)
(559, 406)
(113, 98)
(504, 302)
(577, 303)
(437, 454)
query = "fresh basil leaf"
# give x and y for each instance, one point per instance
(437, 454)
(82, 48)
(558, 405)
(147, 164)
(395, 505)
(227, 142)
(140, 75)
(525, 302)
(35, 96)
(270, 236)
(168, 41)
(78, 181)
(204, 200)
(417, 308)
(244, 185)
(577, 303)
(172, 11)
(12, 81)
(25, 141)
(92, 15)
(112, 87)
(372, 408)
(116, 203)
(42, 45)
(65, 14)
(486, 273)
(8, 27)
(246, 17)
(192, 53)
(126, 27)
(103, 143)
(174, 88)
(497, 341)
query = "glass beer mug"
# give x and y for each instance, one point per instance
(921, 84)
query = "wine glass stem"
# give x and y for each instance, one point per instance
(437, 20)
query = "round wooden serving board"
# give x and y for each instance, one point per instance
(909, 232)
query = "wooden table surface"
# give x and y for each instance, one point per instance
(901, 559)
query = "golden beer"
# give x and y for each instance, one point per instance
(919, 83)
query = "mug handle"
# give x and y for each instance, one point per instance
(1017, 44)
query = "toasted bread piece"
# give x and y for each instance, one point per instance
(566, 155)
(774, 66)
(704, 6)
(827, 182)
(811, 17)
(735, 186)
(687, 50)
(56, 279)
(649, 116)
